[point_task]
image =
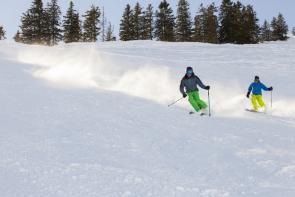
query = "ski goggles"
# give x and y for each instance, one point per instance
(189, 72)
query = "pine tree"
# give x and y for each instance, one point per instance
(183, 22)
(18, 37)
(226, 22)
(238, 32)
(238, 23)
(103, 26)
(2, 33)
(266, 32)
(126, 26)
(293, 31)
(206, 25)
(273, 24)
(211, 24)
(165, 23)
(91, 24)
(279, 28)
(53, 26)
(110, 33)
(26, 29)
(33, 24)
(199, 23)
(250, 27)
(148, 23)
(72, 25)
(198, 35)
(138, 22)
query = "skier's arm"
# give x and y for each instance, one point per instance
(200, 83)
(249, 90)
(264, 87)
(181, 87)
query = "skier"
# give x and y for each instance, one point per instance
(189, 87)
(256, 88)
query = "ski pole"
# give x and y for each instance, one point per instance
(209, 105)
(271, 99)
(175, 102)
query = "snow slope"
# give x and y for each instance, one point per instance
(92, 120)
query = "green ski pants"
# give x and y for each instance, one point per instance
(195, 101)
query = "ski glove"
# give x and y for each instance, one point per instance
(270, 89)
(207, 88)
(248, 95)
(184, 95)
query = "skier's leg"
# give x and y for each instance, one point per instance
(193, 102)
(260, 101)
(254, 102)
(202, 104)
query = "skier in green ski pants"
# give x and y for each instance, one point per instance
(189, 87)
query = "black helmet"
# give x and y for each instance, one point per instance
(256, 78)
(189, 70)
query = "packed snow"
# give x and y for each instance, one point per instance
(88, 120)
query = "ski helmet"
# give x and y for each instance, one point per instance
(189, 70)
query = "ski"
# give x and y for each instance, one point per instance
(201, 114)
(253, 111)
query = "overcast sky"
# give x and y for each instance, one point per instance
(11, 10)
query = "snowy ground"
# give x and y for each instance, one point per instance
(87, 120)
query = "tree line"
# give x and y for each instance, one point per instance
(43, 25)
(232, 22)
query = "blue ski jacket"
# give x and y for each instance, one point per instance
(257, 87)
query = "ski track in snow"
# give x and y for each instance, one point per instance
(93, 121)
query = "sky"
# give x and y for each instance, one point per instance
(10, 14)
